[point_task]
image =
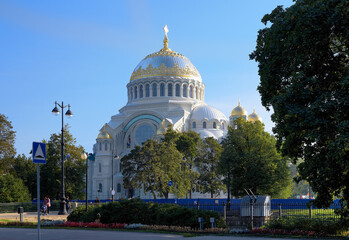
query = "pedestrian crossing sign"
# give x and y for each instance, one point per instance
(39, 152)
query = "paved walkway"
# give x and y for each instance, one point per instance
(33, 216)
(67, 234)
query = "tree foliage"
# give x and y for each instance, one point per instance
(24, 169)
(207, 161)
(74, 167)
(7, 141)
(12, 189)
(152, 166)
(303, 58)
(187, 143)
(251, 161)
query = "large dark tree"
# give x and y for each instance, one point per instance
(303, 57)
(250, 161)
(7, 141)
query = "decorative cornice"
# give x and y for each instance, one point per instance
(162, 70)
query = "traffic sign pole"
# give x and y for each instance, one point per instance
(39, 156)
(38, 197)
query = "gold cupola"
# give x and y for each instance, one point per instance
(104, 134)
(165, 63)
(253, 117)
(239, 111)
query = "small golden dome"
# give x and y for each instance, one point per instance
(239, 111)
(161, 128)
(104, 134)
(253, 117)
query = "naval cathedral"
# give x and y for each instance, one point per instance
(165, 89)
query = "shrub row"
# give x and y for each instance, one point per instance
(137, 211)
(289, 225)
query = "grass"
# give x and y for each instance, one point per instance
(320, 214)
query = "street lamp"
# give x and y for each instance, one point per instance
(116, 157)
(55, 111)
(85, 157)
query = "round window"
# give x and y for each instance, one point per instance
(143, 133)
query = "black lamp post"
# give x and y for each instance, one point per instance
(62, 206)
(116, 157)
(84, 156)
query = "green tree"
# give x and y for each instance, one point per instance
(12, 189)
(207, 163)
(187, 143)
(152, 166)
(24, 168)
(7, 141)
(251, 161)
(74, 167)
(303, 59)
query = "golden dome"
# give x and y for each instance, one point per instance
(253, 117)
(239, 111)
(104, 134)
(165, 63)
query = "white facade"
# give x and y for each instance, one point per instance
(165, 88)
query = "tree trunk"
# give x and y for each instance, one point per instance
(154, 195)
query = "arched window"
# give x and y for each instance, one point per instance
(141, 91)
(147, 90)
(162, 90)
(178, 90)
(131, 93)
(184, 90)
(204, 124)
(194, 124)
(155, 90)
(100, 146)
(100, 187)
(222, 125)
(214, 125)
(118, 187)
(191, 92)
(169, 90)
(136, 92)
(99, 167)
(105, 146)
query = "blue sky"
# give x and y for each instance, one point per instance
(84, 52)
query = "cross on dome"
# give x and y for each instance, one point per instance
(166, 40)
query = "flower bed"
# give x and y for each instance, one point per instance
(92, 225)
(295, 232)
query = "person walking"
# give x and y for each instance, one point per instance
(47, 203)
(67, 204)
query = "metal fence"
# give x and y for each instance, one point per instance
(236, 214)
(239, 214)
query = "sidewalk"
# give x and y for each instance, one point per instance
(33, 216)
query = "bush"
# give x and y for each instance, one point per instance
(307, 225)
(137, 211)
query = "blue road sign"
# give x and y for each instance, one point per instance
(39, 152)
(170, 183)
